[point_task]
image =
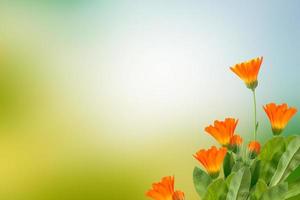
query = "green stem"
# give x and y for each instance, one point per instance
(255, 119)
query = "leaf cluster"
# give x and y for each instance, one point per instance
(262, 178)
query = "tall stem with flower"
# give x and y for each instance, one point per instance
(248, 72)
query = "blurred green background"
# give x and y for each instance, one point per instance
(99, 99)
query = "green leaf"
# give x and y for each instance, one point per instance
(277, 192)
(268, 147)
(270, 156)
(201, 181)
(217, 190)
(240, 185)
(237, 166)
(293, 189)
(289, 138)
(228, 164)
(255, 168)
(260, 188)
(294, 175)
(294, 198)
(289, 161)
(229, 178)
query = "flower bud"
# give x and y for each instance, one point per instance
(235, 143)
(254, 149)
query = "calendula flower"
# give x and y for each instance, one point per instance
(164, 190)
(248, 71)
(235, 143)
(279, 116)
(211, 159)
(254, 149)
(222, 131)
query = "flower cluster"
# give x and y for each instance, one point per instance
(223, 131)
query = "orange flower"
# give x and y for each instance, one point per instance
(236, 140)
(222, 131)
(235, 143)
(254, 149)
(164, 190)
(248, 71)
(211, 159)
(279, 115)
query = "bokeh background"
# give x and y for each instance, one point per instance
(98, 99)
